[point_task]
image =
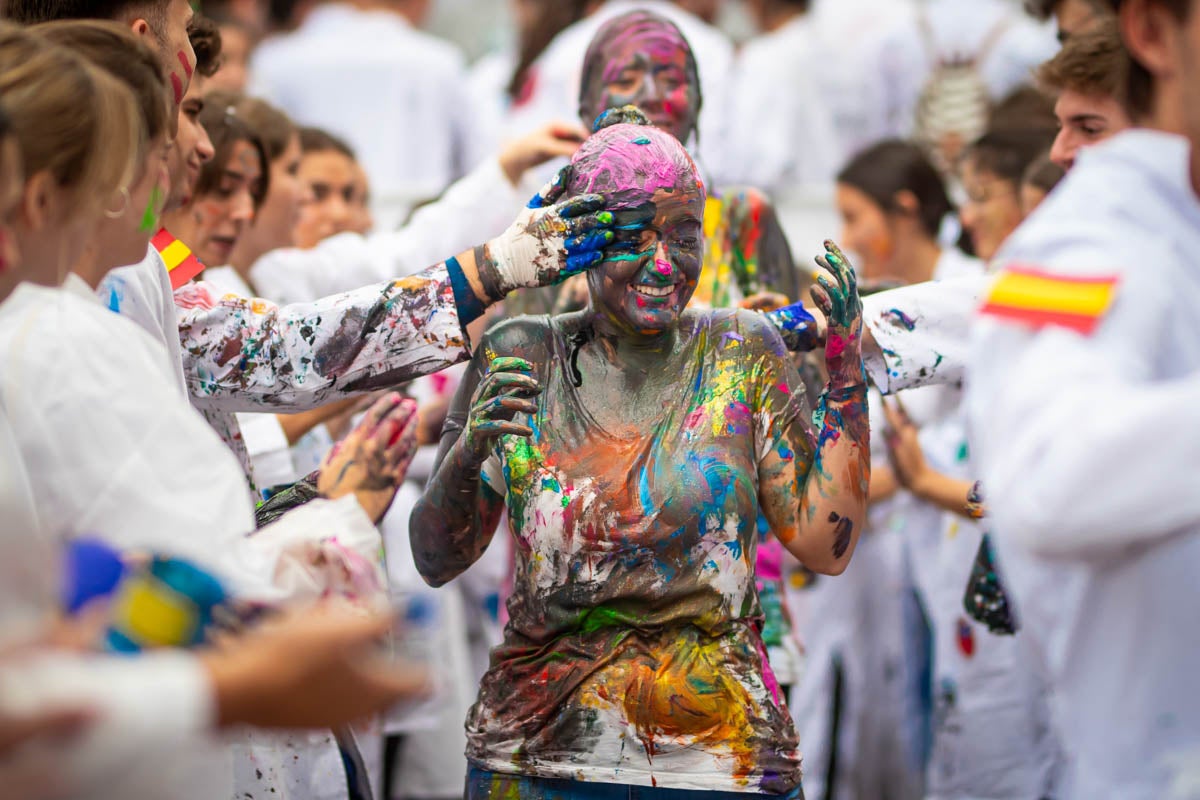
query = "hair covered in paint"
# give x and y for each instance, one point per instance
(656, 30)
(627, 160)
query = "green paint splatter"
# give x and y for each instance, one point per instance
(150, 215)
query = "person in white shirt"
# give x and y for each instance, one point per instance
(363, 70)
(1102, 333)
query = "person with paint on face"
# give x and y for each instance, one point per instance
(80, 384)
(1085, 77)
(1088, 337)
(634, 445)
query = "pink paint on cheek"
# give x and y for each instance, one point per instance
(641, 301)
(187, 65)
(177, 86)
(663, 267)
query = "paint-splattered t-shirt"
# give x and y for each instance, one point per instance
(633, 652)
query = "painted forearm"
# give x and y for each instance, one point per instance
(244, 354)
(454, 520)
(834, 501)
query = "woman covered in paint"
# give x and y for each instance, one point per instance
(634, 444)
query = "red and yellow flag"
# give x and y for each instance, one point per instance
(182, 265)
(1037, 298)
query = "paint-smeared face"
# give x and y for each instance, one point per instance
(992, 211)
(645, 291)
(1084, 121)
(174, 46)
(867, 232)
(645, 65)
(123, 240)
(12, 180)
(331, 179)
(221, 216)
(192, 148)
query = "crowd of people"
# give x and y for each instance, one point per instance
(337, 468)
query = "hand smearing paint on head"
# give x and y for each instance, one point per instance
(652, 187)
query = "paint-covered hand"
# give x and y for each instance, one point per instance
(371, 461)
(549, 242)
(506, 390)
(836, 295)
(796, 326)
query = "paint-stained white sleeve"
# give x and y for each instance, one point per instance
(923, 332)
(473, 210)
(1082, 452)
(245, 354)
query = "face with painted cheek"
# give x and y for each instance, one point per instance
(124, 239)
(645, 291)
(220, 216)
(647, 69)
(12, 179)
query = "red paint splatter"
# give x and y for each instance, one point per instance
(177, 86)
(187, 65)
(835, 346)
(966, 638)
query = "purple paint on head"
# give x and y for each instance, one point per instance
(613, 162)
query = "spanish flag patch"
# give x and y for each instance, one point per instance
(1035, 298)
(182, 265)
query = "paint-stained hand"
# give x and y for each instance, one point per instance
(371, 461)
(836, 295)
(549, 242)
(506, 390)
(796, 326)
(904, 446)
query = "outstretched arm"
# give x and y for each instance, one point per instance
(455, 519)
(814, 493)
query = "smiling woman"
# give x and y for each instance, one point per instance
(634, 445)
(230, 190)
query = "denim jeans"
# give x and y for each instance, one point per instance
(484, 785)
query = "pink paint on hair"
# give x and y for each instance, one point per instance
(632, 162)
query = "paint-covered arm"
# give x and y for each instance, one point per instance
(919, 335)
(1085, 449)
(813, 484)
(453, 522)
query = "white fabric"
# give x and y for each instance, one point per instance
(1087, 446)
(961, 29)
(798, 120)
(266, 441)
(473, 210)
(395, 93)
(560, 67)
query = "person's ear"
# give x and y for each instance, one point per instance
(39, 200)
(1149, 31)
(906, 203)
(140, 27)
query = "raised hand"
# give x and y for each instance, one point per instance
(549, 242)
(373, 458)
(836, 294)
(504, 392)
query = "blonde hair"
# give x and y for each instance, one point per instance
(69, 117)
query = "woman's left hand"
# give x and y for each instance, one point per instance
(371, 461)
(836, 294)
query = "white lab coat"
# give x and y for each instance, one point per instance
(560, 68)
(395, 93)
(799, 117)
(1087, 445)
(112, 452)
(904, 61)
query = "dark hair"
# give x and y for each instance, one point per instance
(1024, 108)
(274, 127)
(1043, 174)
(112, 47)
(205, 37)
(1042, 9)
(1089, 63)
(892, 166)
(225, 128)
(30, 12)
(318, 140)
(1008, 153)
(553, 17)
(627, 23)
(1137, 82)
(5, 124)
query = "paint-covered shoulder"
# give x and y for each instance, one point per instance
(528, 337)
(750, 330)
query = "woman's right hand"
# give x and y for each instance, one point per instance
(371, 461)
(503, 393)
